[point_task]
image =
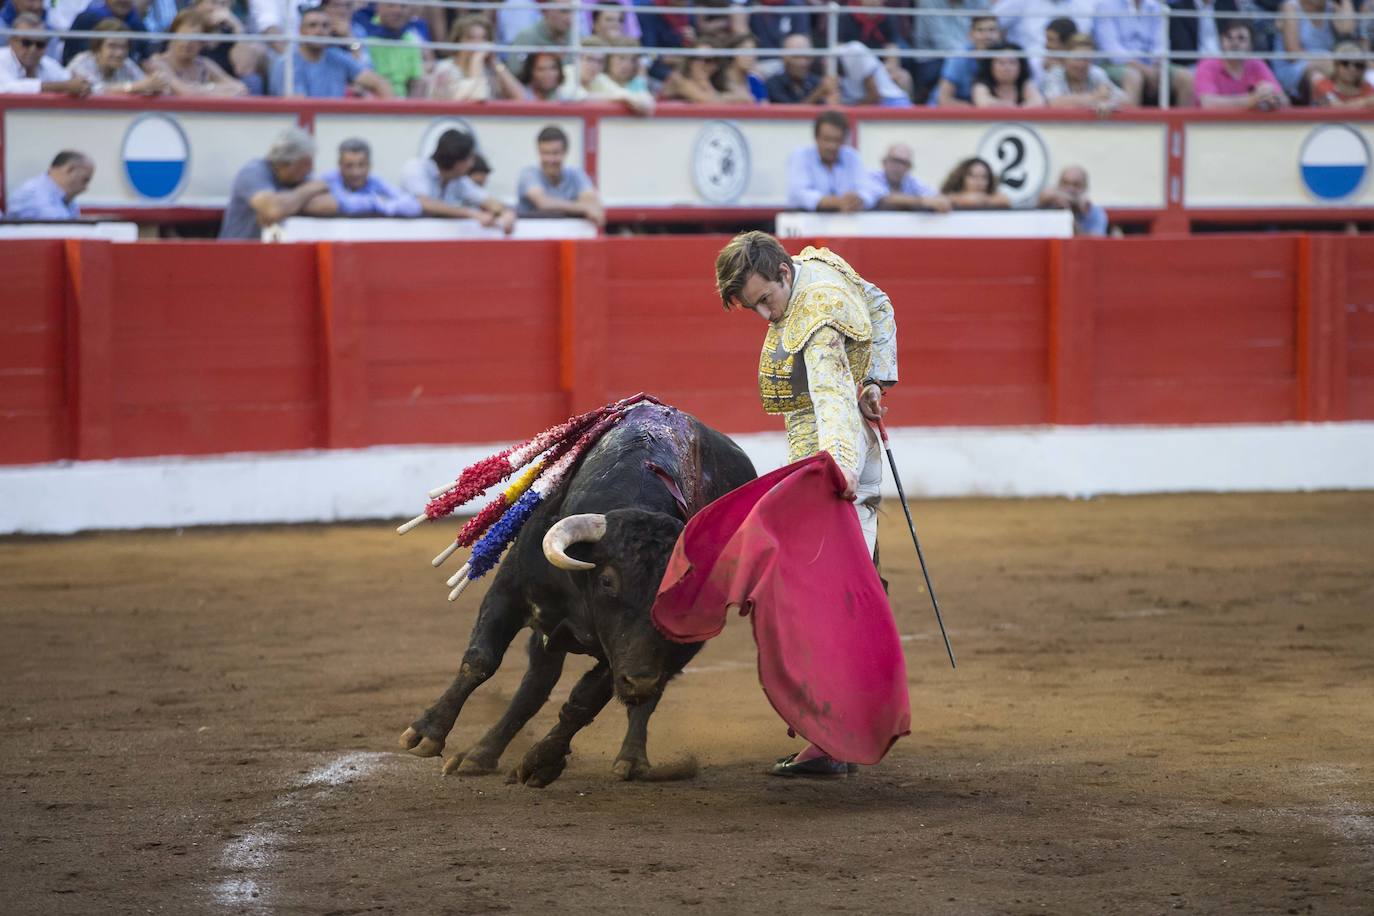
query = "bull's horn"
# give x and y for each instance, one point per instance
(575, 529)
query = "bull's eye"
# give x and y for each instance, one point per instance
(609, 580)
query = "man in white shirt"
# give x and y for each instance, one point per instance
(25, 68)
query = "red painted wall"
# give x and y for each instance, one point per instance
(201, 348)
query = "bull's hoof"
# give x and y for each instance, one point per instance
(542, 764)
(628, 768)
(467, 764)
(415, 743)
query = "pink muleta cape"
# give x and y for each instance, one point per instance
(790, 553)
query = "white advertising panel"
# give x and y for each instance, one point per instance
(1323, 164)
(177, 158)
(1125, 162)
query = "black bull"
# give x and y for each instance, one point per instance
(587, 588)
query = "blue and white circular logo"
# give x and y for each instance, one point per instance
(156, 156)
(1334, 161)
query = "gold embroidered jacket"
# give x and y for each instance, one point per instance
(842, 328)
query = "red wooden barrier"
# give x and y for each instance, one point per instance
(201, 348)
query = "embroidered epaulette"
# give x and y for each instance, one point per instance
(825, 303)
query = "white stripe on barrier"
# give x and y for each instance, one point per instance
(391, 481)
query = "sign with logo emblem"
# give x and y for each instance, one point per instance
(720, 162)
(1334, 162)
(1019, 161)
(156, 156)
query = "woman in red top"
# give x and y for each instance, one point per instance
(1347, 87)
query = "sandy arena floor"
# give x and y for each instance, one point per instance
(1162, 704)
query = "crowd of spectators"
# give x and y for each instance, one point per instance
(1095, 54)
(827, 175)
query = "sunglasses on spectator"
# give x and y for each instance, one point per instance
(1357, 64)
(33, 42)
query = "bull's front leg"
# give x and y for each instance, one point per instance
(633, 760)
(543, 673)
(544, 762)
(498, 620)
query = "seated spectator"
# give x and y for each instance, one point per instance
(1071, 193)
(551, 29)
(342, 24)
(867, 24)
(1004, 81)
(1130, 36)
(897, 189)
(865, 81)
(1024, 22)
(106, 66)
(324, 71)
(955, 89)
(735, 78)
(610, 24)
(799, 83)
(25, 68)
(622, 81)
(1198, 34)
(690, 81)
(542, 76)
(37, 9)
(442, 185)
(52, 195)
(97, 12)
(1347, 87)
(896, 69)
(401, 65)
(1080, 83)
(949, 34)
(246, 61)
(970, 186)
(480, 171)
(553, 189)
(268, 190)
(773, 29)
(1238, 80)
(581, 70)
(828, 176)
(355, 191)
(1058, 33)
(183, 67)
(1301, 33)
(473, 75)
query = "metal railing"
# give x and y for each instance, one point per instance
(290, 39)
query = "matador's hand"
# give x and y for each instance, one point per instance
(851, 485)
(871, 404)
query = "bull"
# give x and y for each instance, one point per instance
(582, 576)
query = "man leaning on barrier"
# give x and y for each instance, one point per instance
(828, 175)
(355, 191)
(442, 185)
(52, 195)
(268, 190)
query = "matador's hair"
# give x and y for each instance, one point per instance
(748, 253)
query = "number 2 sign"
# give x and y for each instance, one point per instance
(1019, 161)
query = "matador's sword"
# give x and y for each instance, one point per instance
(915, 540)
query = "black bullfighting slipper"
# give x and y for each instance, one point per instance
(816, 767)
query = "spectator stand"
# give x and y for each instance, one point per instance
(1162, 169)
(725, 165)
